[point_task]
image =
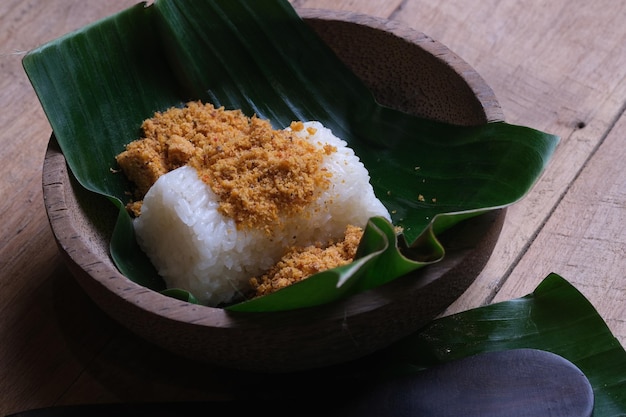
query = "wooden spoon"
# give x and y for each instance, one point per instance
(519, 382)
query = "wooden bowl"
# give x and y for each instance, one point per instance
(405, 69)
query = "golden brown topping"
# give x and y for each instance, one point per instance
(300, 263)
(258, 173)
(179, 150)
(143, 164)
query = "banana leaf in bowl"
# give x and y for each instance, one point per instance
(422, 121)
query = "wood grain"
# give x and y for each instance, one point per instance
(35, 362)
(377, 8)
(585, 238)
(558, 66)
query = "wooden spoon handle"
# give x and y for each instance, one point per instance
(520, 382)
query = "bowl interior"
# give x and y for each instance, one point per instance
(404, 69)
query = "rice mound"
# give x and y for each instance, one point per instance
(195, 247)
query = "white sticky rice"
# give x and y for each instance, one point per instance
(196, 248)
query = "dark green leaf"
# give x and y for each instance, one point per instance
(556, 317)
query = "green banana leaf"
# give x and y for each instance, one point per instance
(555, 317)
(97, 85)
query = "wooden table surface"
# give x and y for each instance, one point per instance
(557, 66)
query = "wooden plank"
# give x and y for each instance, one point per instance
(556, 66)
(35, 361)
(377, 8)
(585, 239)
